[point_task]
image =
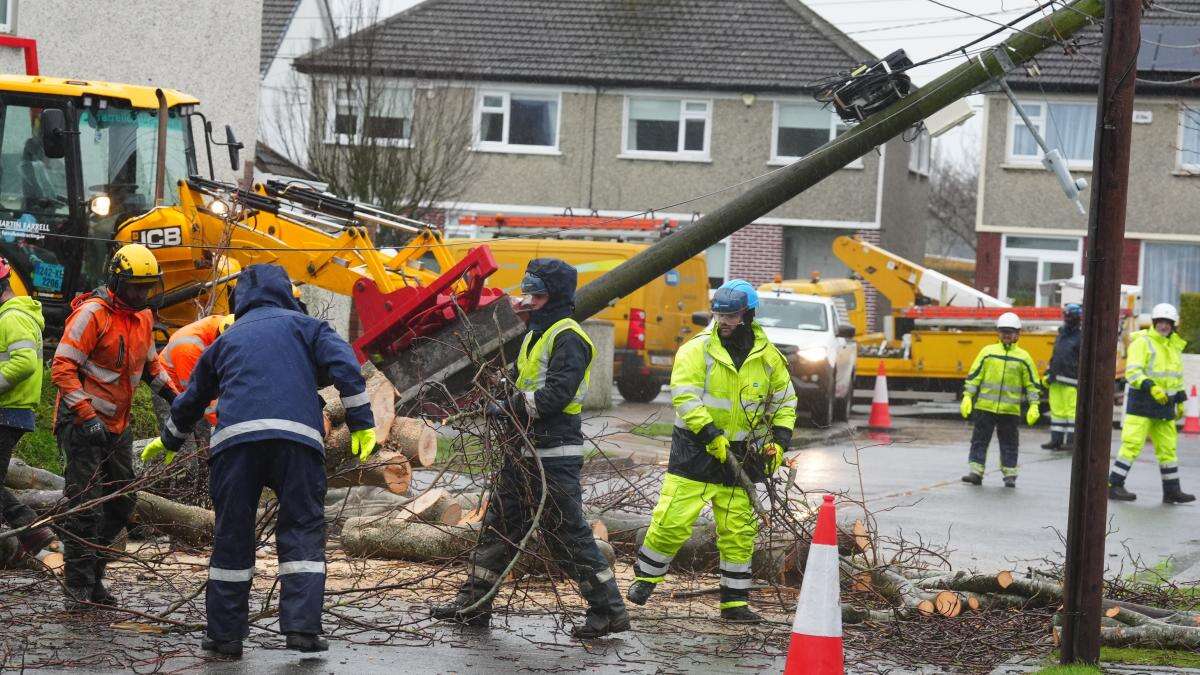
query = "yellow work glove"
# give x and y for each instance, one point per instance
(362, 443)
(1033, 414)
(966, 407)
(774, 455)
(1159, 394)
(155, 448)
(718, 448)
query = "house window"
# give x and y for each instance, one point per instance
(1069, 127)
(1027, 262)
(371, 113)
(716, 257)
(1189, 145)
(1169, 268)
(6, 15)
(666, 128)
(517, 122)
(920, 153)
(801, 128)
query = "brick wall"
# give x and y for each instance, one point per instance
(1131, 255)
(756, 253)
(987, 262)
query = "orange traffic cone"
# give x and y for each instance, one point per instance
(881, 416)
(816, 647)
(1191, 420)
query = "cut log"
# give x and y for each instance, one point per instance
(435, 506)
(21, 476)
(384, 469)
(398, 539)
(1156, 635)
(189, 524)
(600, 530)
(414, 439)
(383, 406)
(948, 603)
(1005, 579)
(41, 501)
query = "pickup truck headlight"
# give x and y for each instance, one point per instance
(814, 353)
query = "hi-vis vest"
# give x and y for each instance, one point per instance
(533, 360)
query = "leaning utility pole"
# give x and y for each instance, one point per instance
(876, 130)
(1086, 516)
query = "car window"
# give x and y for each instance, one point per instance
(794, 314)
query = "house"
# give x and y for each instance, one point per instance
(658, 109)
(1028, 231)
(207, 48)
(290, 28)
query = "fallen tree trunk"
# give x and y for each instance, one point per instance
(21, 476)
(1157, 635)
(384, 469)
(436, 506)
(191, 525)
(398, 539)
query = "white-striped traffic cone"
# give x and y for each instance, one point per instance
(1191, 419)
(816, 647)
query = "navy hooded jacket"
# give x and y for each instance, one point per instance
(265, 371)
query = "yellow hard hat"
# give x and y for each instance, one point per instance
(134, 262)
(226, 322)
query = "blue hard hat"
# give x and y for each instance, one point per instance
(1073, 309)
(734, 296)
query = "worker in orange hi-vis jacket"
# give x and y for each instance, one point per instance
(107, 347)
(183, 350)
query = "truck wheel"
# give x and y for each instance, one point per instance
(637, 390)
(823, 407)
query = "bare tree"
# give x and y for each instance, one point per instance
(403, 146)
(953, 191)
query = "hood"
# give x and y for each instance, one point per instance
(560, 279)
(263, 285)
(28, 305)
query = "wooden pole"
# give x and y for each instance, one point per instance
(1086, 524)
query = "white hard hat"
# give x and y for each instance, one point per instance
(1009, 320)
(1164, 310)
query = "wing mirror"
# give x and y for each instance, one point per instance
(54, 134)
(235, 148)
(845, 331)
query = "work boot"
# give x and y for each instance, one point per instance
(606, 611)
(35, 540)
(100, 594)
(306, 642)
(973, 479)
(452, 611)
(1120, 494)
(76, 599)
(229, 648)
(1069, 443)
(1010, 481)
(640, 591)
(740, 614)
(1173, 494)
(1055, 442)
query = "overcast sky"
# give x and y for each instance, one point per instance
(923, 28)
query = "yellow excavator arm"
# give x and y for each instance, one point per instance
(905, 283)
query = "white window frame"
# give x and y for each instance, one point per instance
(357, 138)
(1042, 257)
(504, 146)
(1014, 121)
(1182, 167)
(783, 160)
(704, 155)
(6, 26)
(918, 162)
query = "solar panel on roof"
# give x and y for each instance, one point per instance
(1171, 49)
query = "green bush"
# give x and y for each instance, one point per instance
(1189, 321)
(40, 449)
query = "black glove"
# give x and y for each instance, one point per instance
(1181, 397)
(494, 410)
(167, 395)
(1050, 378)
(93, 430)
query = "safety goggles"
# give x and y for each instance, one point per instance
(533, 285)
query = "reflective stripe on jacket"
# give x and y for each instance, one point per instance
(744, 404)
(183, 350)
(1001, 378)
(533, 364)
(1154, 360)
(105, 351)
(21, 325)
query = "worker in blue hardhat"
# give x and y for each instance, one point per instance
(1062, 379)
(732, 393)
